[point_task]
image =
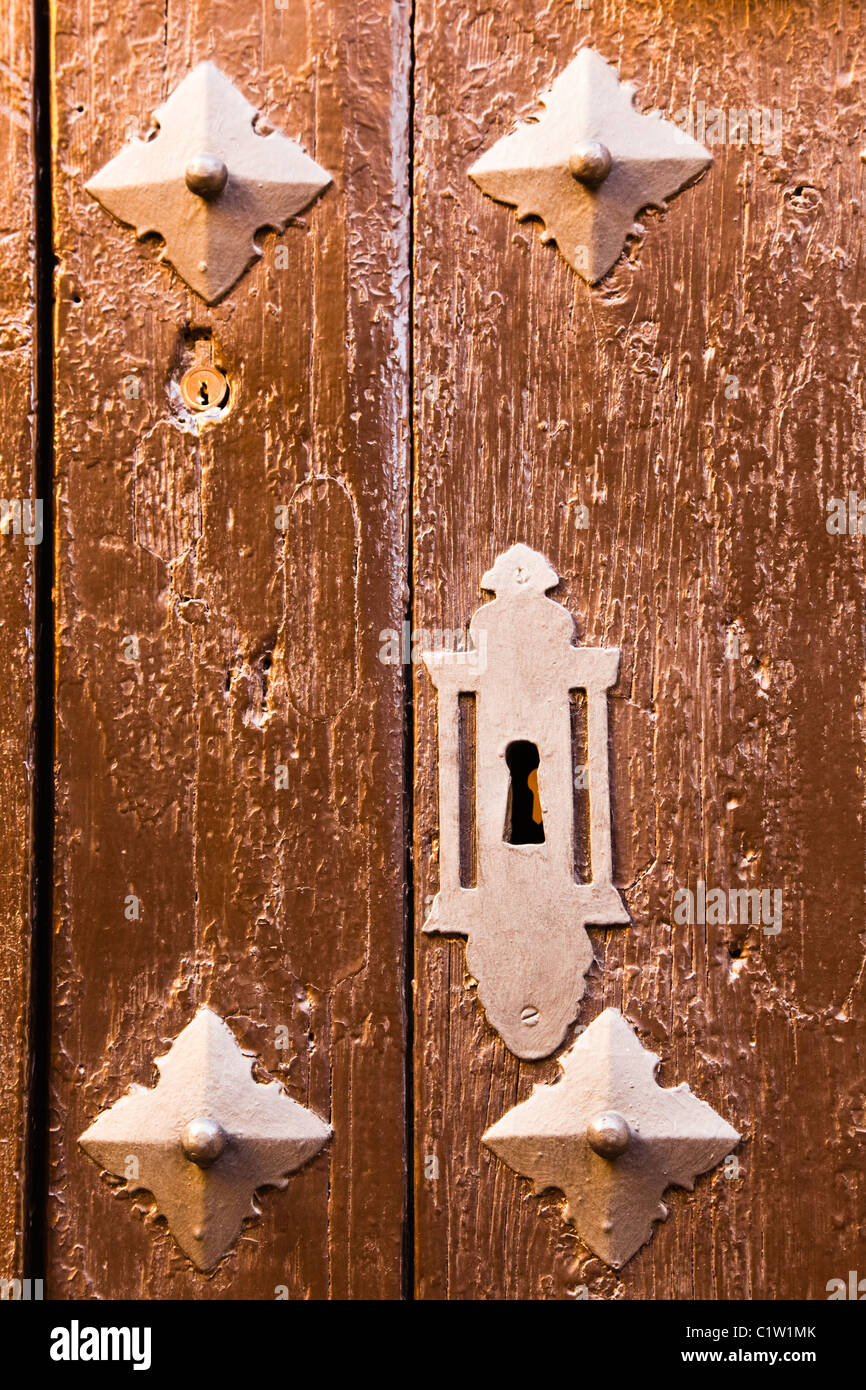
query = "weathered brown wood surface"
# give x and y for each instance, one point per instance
(257, 648)
(17, 560)
(707, 502)
(705, 403)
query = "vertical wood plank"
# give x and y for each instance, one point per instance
(253, 561)
(17, 562)
(705, 403)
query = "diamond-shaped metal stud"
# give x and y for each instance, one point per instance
(589, 164)
(205, 1138)
(611, 1139)
(207, 182)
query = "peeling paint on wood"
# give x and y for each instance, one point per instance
(217, 845)
(704, 404)
(230, 776)
(17, 560)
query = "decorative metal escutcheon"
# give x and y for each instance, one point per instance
(589, 164)
(611, 1139)
(205, 1139)
(526, 913)
(208, 181)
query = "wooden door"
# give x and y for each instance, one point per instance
(244, 806)
(229, 747)
(21, 558)
(705, 404)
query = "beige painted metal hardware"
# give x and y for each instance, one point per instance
(208, 181)
(205, 1138)
(589, 164)
(611, 1139)
(526, 914)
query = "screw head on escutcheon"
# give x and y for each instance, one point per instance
(608, 1134)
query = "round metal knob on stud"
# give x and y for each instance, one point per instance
(203, 1141)
(206, 175)
(590, 163)
(608, 1135)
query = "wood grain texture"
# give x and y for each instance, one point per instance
(256, 645)
(536, 395)
(17, 560)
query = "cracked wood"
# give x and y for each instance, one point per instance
(704, 404)
(17, 563)
(229, 783)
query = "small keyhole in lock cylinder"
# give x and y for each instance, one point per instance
(204, 385)
(202, 389)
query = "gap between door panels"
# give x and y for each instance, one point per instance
(409, 706)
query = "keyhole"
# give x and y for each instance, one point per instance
(524, 822)
(202, 393)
